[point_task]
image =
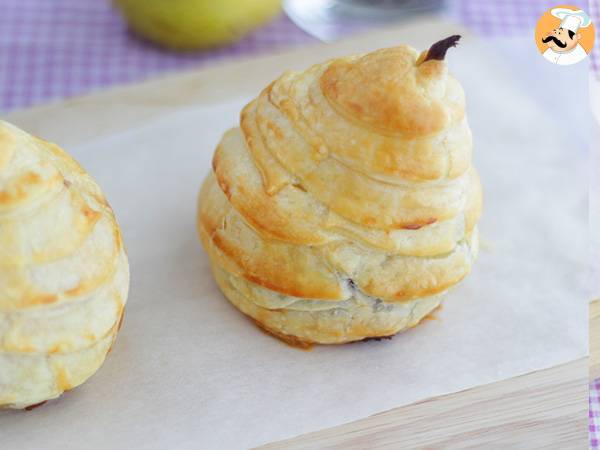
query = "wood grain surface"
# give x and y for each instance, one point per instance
(543, 410)
(540, 410)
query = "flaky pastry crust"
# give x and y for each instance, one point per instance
(64, 274)
(345, 204)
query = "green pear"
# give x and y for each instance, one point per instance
(195, 24)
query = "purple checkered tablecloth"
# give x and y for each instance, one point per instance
(55, 49)
(595, 415)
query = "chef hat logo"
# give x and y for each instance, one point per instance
(565, 35)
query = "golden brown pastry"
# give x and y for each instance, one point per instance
(345, 204)
(64, 274)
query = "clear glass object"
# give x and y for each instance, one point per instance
(329, 20)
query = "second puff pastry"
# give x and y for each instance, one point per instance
(64, 274)
(345, 204)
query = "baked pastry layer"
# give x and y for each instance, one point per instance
(307, 321)
(349, 188)
(64, 274)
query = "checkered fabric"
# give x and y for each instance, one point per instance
(595, 415)
(61, 48)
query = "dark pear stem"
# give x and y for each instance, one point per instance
(439, 49)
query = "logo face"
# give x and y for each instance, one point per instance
(565, 35)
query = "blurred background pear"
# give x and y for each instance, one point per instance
(196, 24)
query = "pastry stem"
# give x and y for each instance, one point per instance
(439, 49)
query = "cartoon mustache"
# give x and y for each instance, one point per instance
(556, 41)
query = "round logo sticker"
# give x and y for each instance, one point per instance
(565, 35)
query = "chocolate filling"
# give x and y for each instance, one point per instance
(379, 338)
(37, 405)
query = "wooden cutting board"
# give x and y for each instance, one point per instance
(544, 409)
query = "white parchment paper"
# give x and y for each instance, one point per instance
(189, 371)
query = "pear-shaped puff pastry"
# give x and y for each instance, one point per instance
(64, 274)
(345, 204)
